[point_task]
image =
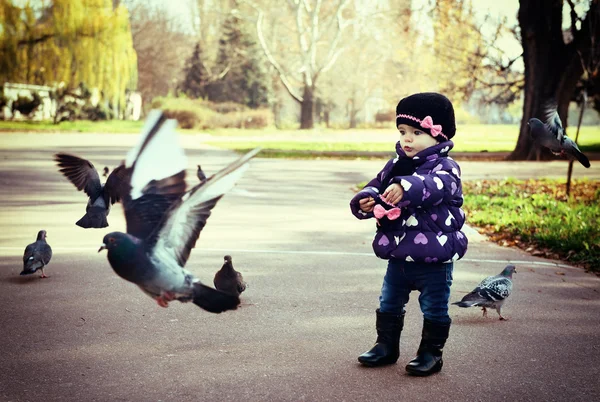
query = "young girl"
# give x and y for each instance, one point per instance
(416, 200)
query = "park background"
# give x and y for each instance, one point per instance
(314, 82)
(320, 79)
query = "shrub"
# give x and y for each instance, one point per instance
(185, 118)
(258, 118)
(94, 113)
(384, 117)
(226, 107)
(201, 114)
(3, 99)
(25, 105)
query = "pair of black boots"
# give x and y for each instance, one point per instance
(387, 347)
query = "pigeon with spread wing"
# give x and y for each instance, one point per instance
(84, 176)
(551, 135)
(164, 220)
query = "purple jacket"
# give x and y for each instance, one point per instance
(428, 228)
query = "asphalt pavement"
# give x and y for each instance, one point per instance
(84, 334)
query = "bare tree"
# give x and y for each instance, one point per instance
(366, 73)
(318, 28)
(208, 17)
(161, 50)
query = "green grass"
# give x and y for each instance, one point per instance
(79, 126)
(470, 138)
(537, 216)
(319, 142)
(305, 146)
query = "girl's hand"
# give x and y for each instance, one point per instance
(366, 204)
(393, 194)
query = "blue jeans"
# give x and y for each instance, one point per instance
(433, 281)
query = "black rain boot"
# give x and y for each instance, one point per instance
(387, 347)
(429, 356)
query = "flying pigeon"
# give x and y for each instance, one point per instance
(228, 279)
(37, 255)
(491, 292)
(201, 175)
(84, 176)
(164, 220)
(552, 136)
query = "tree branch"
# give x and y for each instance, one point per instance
(333, 53)
(269, 56)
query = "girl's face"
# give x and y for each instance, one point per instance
(414, 140)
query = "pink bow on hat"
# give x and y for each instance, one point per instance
(391, 214)
(435, 129)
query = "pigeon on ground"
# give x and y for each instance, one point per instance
(37, 255)
(201, 175)
(105, 171)
(491, 292)
(164, 220)
(228, 279)
(552, 136)
(85, 177)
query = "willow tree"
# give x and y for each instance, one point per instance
(70, 42)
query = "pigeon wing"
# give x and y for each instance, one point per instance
(186, 220)
(117, 184)
(241, 284)
(495, 288)
(146, 214)
(157, 155)
(29, 251)
(552, 120)
(81, 173)
(154, 175)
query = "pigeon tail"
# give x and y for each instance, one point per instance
(212, 300)
(466, 303)
(29, 270)
(93, 219)
(582, 159)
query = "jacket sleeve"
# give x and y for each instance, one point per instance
(370, 190)
(440, 185)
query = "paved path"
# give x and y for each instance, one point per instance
(86, 335)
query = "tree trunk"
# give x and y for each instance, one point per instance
(542, 55)
(306, 108)
(552, 70)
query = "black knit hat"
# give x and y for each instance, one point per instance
(429, 111)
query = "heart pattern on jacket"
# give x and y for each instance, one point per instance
(412, 221)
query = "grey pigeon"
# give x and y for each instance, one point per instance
(491, 292)
(201, 175)
(84, 176)
(552, 136)
(164, 220)
(37, 255)
(228, 279)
